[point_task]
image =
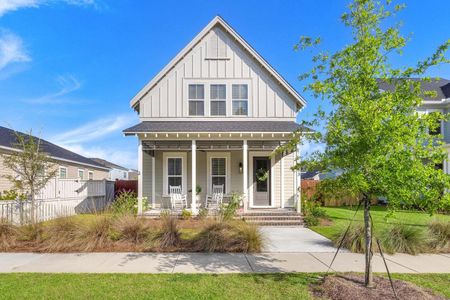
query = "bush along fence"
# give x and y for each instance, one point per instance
(60, 198)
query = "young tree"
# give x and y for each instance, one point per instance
(31, 168)
(374, 137)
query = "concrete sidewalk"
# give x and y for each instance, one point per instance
(215, 263)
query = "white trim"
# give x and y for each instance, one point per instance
(245, 174)
(140, 176)
(282, 180)
(59, 173)
(214, 22)
(209, 157)
(183, 156)
(153, 181)
(298, 182)
(272, 181)
(61, 159)
(194, 177)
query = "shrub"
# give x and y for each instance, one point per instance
(131, 229)
(61, 235)
(186, 214)
(203, 213)
(125, 203)
(228, 211)
(311, 220)
(439, 235)
(169, 235)
(314, 208)
(8, 235)
(236, 236)
(404, 239)
(94, 235)
(354, 240)
(12, 195)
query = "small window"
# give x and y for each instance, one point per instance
(218, 100)
(174, 172)
(124, 175)
(91, 175)
(436, 130)
(240, 99)
(196, 100)
(62, 173)
(80, 174)
(218, 172)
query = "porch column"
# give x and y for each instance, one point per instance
(140, 174)
(245, 173)
(194, 177)
(298, 181)
(153, 181)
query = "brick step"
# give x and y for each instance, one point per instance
(267, 214)
(272, 218)
(277, 223)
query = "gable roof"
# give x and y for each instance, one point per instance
(8, 140)
(215, 22)
(108, 164)
(439, 85)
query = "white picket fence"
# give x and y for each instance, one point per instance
(61, 197)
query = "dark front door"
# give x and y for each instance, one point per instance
(261, 181)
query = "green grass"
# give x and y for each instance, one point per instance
(177, 286)
(341, 217)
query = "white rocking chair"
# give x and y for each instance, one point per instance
(178, 201)
(215, 200)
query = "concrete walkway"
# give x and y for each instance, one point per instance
(215, 263)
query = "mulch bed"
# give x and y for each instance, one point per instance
(351, 287)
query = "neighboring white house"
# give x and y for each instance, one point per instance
(214, 115)
(115, 171)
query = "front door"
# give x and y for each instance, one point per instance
(261, 181)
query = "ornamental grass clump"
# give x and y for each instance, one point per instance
(228, 236)
(439, 232)
(169, 234)
(94, 235)
(8, 235)
(32, 233)
(353, 240)
(131, 229)
(404, 239)
(61, 235)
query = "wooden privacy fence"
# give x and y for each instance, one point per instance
(60, 198)
(309, 190)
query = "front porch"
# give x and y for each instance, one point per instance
(243, 166)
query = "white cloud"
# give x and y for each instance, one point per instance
(123, 158)
(309, 147)
(67, 84)
(12, 49)
(12, 5)
(94, 130)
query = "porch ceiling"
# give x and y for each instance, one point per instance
(210, 145)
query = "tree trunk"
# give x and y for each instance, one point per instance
(368, 280)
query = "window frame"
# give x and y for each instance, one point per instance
(196, 100)
(59, 173)
(246, 100)
(78, 174)
(218, 100)
(209, 157)
(166, 157)
(89, 175)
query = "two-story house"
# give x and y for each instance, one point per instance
(439, 102)
(213, 116)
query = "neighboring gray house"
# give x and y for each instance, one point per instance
(214, 115)
(439, 103)
(115, 171)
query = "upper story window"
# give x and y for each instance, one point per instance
(80, 174)
(218, 96)
(62, 173)
(240, 99)
(437, 129)
(196, 100)
(91, 175)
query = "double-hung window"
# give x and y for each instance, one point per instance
(240, 99)
(218, 96)
(219, 172)
(80, 174)
(174, 172)
(91, 175)
(62, 173)
(196, 99)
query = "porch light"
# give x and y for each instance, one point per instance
(240, 168)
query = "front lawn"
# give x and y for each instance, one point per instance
(177, 286)
(341, 216)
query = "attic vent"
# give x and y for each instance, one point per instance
(216, 47)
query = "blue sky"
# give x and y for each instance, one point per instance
(69, 68)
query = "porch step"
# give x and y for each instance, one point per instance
(273, 218)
